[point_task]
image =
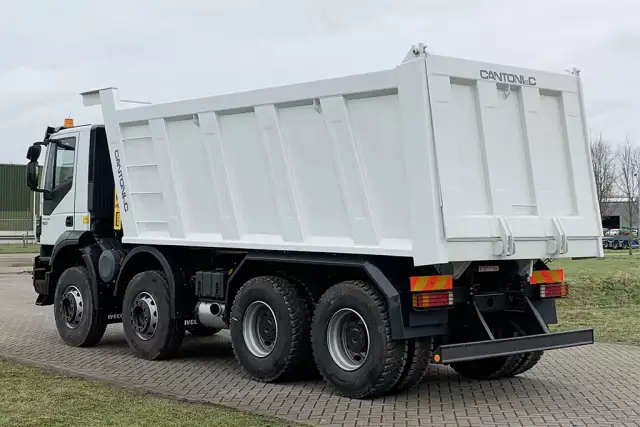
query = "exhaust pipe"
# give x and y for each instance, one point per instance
(210, 314)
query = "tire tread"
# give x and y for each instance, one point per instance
(98, 325)
(299, 319)
(481, 369)
(176, 331)
(419, 357)
(528, 361)
(396, 352)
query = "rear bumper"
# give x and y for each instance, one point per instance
(463, 352)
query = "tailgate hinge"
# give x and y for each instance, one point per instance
(559, 244)
(506, 246)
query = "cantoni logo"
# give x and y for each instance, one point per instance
(507, 77)
(125, 205)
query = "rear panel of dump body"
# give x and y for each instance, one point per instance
(523, 170)
(439, 159)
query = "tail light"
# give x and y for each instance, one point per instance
(551, 283)
(432, 299)
(427, 291)
(557, 290)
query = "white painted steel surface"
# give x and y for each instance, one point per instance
(437, 159)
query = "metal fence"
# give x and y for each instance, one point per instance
(18, 205)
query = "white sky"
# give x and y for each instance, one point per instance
(161, 50)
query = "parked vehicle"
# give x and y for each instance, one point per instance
(366, 226)
(613, 232)
(619, 242)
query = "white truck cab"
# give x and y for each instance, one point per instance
(67, 183)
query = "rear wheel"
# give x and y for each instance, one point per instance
(489, 369)
(493, 367)
(529, 360)
(270, 326)
(78, 321)
(418, 359)
(149, 326)
(614, 245)
(351, 339)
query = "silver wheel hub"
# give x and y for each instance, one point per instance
(260, 329)
(144, 316)
(71, 307)
(348, 339)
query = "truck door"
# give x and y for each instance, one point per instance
(58, 203)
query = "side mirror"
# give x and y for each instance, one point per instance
(32, 174)
(34, 153)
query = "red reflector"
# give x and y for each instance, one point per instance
(554, 291)
(426, 300)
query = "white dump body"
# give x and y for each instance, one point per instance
(439, 159)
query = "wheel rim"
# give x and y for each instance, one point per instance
(260, 329)
(71, 307)
(144, 316)
(348, 339)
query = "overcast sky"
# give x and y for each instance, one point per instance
(160, 50)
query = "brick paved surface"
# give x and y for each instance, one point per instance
(594, 385)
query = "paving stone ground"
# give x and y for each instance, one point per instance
(593, 385)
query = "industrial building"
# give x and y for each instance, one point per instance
(18, 205)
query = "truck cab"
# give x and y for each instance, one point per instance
(77, 193)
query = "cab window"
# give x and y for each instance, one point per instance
(63, 172)
(61, 157)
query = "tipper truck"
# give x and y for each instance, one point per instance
(361, 227)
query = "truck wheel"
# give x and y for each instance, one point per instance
(419, 356)
(614, 245)
(351, 339)
(151, 331)
(529, 360)
(270, 328)
(79, 323)
(489, 369)
(202, 331)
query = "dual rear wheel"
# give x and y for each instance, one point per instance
(276, 336)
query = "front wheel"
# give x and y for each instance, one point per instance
(351, 339)
(79, 322)
(149, 327)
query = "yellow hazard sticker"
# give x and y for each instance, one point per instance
(117, 223)
(85, 219)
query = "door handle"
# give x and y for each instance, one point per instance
(69, 221)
